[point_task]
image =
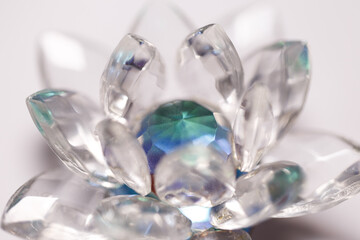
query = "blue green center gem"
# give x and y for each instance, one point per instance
(178, 123)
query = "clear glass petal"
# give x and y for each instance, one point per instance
(332, 165)
(194, 175)
(278, 80)
(133, 80)
(136, 217)
(124, 155)
(252, 27)
(284, 68)
(254, 127)
(51, 206)
(67, 121)
(212, 234)
(70, 62)
(210, 69)
(259, 195)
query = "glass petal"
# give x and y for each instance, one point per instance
(254, 127)
(51, 206)
(210, 68)
(133, 80)
(332, 165)
(70, 62)
(284, 68)
(212, 234)
(194, 175)
(259, 195)
(67, 120)
(135, 217)
(124, 155)
(278, 85)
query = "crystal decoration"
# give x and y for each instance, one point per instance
(282, 69)
(67, 120)
(136, 217)
(259, 195)
(51, 206)
(178, 123)
(184, 138)
(337, 157)
(133, 79)
(68, 61)
(124, 155)
(210, 68)
(221, 235)
(254, 125)
(194, 175)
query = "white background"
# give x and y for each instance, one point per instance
(332, 29)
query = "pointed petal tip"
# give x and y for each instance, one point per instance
(133, 79)
(209, 56)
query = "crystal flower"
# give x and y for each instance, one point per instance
(196, 157)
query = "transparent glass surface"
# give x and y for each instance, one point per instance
(134, 217)
(259, 195)
(67, 121)
(133, 80)
(331, 164)
(51, 206)
(278, 78)
(194, 175)
(124, 155)
(254, 127)
(210, 69)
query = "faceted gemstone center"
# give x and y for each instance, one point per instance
(178, 123)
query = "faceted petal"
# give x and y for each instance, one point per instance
(278, 85)
(54, 205)
(332, 165)
(69, 62)
(67, 120)
(259, 195)
(252, 27)
(124, 155)
(135, 217)
(194, 175)
(212, 234)
(210, 69)
(176, 124)
(284, 68)
(254, 127)
(133, 80)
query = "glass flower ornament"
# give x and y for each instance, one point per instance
(198, 156)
